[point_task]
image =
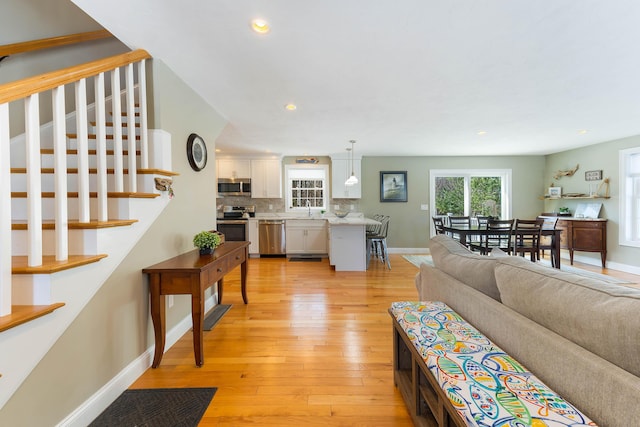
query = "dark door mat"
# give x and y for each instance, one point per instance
(215, 315)
(158, 407)
(299, 259)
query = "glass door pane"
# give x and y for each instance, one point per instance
(449, 191)
(486, 196)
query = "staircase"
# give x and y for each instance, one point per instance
(81, 193)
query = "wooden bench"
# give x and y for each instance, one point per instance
(449, 374)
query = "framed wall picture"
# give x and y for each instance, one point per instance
(393, 186)
(593, 175)
(555, 192)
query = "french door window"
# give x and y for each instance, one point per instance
(482, 192)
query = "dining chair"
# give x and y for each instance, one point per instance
(527, 237)
(438, 223)
(546, 242)
(458, 221)
(499, 233)
(377, 244)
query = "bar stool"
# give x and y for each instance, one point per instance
(377, 244)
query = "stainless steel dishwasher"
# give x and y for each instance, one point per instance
(272, 237)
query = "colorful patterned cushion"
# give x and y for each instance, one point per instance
(485, 385)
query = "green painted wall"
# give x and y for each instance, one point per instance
(409, 226)
(595, 157)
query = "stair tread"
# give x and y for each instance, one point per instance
(24, 313)
(110, 171)
(124, 124)
(91, 152)
(76, 225)
(93, 136)
(92, 194)
(19, 264)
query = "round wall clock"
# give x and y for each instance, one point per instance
(196, 152)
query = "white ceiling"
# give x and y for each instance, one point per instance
(404, 77)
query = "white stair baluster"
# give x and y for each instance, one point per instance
(142, 101)
(131, 128)
(101, 147)
(82, 140)
(60, 174)
(5, 212)
(116, 112)
(34, 180)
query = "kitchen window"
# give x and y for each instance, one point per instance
(306, 187)
(630, 197)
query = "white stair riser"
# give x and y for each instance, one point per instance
(146, 184)
(72, 161)
(80, 242)
(19, 182)
(28, 289)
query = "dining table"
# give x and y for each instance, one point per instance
(465, 232)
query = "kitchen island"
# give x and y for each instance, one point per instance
(348, 242)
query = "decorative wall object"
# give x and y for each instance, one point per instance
(555, 192)
(307, 160)
(593, 175)
(393, 186)
(569, 172)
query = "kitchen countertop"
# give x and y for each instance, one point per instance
(354, 218)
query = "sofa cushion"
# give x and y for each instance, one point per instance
(459, 262)
(599, 316)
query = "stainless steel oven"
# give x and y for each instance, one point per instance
(234, 223)
(234, 229)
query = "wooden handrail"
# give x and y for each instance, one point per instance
(19, 89)
(11, 49)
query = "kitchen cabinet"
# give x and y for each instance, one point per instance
(233, 168)
(254, 237)
(306, 236)
(340, 172)
(266, 179)
(587, 235)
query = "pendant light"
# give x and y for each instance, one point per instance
(352, 179)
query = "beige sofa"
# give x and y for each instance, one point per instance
(580, 336)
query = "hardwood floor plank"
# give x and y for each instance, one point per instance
(311, 343)
(312, 348)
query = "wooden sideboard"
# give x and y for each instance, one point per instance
(582, 234)
(191, 274)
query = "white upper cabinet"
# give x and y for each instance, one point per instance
(266, 178)
(234, 168)
(340, 172)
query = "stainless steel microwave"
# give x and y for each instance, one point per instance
(234, 187)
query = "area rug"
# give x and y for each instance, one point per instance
(419, 259)
(158, 407)
(303, 259)
(214, 316)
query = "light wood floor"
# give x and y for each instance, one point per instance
(312, 347)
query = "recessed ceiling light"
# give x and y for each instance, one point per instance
(582, 131)
(290, 107)
(260, 26)
(482, 132)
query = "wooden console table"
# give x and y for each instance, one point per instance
(192, 273)
(584, 234)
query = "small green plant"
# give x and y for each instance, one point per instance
(564, 210)
(206, 240)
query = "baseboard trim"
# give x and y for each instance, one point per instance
(84, 414)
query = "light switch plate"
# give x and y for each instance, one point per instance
(424, 207)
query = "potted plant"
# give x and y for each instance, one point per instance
(206, 241)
